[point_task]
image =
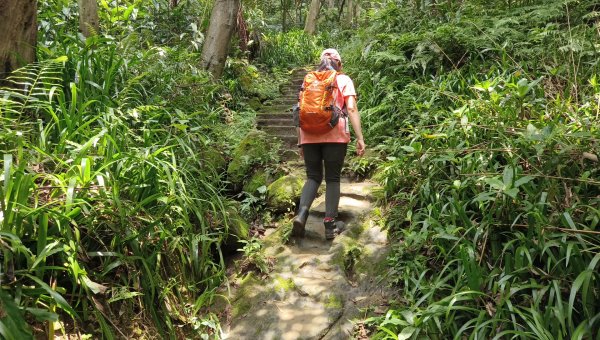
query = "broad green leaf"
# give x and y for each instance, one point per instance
(485, 197)
(513, 192)
(507, 176)
(12, 322)
(494, 182)
(569, 220)
(7, 174)
(61, 59)
(48, 250)
(406, 333)
(523, 180)
(42, 314)
(62, 303)
(96, 288)
(577, 284)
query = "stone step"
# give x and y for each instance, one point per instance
(291, 90)
(287, 121)
(274, 115)
(277, 108)
(290, 155)
(289, 102)
(284, 130)
(289, 141)
(285, 99)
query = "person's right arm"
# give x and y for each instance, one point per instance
(355, 121)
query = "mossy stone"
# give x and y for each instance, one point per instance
(258, 179)
(253, 149)
(254, 103)
(283, 285)
(213, 158)
(238, 229)
(284, 192)
(334, 301)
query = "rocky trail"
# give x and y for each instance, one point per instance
(315, 288)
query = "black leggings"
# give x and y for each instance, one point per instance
(315, 155)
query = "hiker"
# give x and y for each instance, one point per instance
(326, 143)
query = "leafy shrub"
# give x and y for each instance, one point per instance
(486, 121)
(290, 49)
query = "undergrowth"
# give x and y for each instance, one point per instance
(113, 201)
(486, 120)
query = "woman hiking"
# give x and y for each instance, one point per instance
(326, 146)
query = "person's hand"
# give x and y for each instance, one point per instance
(301, 152)
(360, 147)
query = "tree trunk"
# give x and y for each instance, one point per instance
(18, 24)
(242, 30)
(350, 14)
(311, 19)
(220, 29)
(341, 10)
(330, 4)
(284, 15)
(89, 23)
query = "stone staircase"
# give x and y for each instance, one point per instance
(276, 118)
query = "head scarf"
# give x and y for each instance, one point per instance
(332, 53)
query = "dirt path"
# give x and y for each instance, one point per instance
(316, 287)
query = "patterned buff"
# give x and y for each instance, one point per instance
(332, 53)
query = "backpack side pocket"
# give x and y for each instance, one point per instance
(296, 115)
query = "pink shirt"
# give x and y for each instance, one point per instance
(340, 133)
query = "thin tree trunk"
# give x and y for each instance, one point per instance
(311, 19)
(284, 14)
(218, 37)
(18, 24)
(299, 17)
(242, 30)
(89, 23)
(341, 10)
(350, 13)
(330, 4)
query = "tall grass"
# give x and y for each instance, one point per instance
(291, 49)
(107, 206)
(491, 168)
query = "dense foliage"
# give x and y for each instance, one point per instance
(115, 206)
(488, 120)
(113, 202)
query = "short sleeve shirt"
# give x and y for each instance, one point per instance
(340, 133)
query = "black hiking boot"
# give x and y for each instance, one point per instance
(300, 222)
(333, 228)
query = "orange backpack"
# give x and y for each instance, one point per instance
(318, 113)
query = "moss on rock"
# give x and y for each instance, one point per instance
(246, 291)
(258, 179)
(284, 192)
(238, 229)
(334, 301)
(213, 158)
(254, 148)
(254, 103)
(283, 285)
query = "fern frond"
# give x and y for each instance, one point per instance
(32, 87)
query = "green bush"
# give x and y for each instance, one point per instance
(486, 120)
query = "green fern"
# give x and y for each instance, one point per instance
(33, 87)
